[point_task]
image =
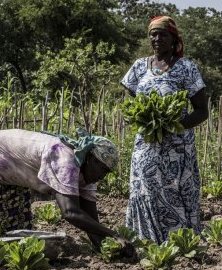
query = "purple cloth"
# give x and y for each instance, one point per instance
(41, 162)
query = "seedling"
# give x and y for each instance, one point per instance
(48, 213)
(110, 249)
(159, 256)
(3, 250)
(187, 242)
(213, 232)
(131, 237)
(27, 254)
(213, 189)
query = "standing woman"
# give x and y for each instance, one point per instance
(164, 181)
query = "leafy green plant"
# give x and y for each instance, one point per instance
(131, 236)
(213, 189)
(127, 234)
(141, 246)
(187, 242)
(48, 213)
(110, 249)
(213, 232)
(159, 256)
(116, 182)
(153, 115)
(3, 250)
(27, 254)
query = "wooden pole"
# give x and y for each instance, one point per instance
(61, 109)
(44, 112)
(219, 140)
(206, 142)
(70, 111)
(21, 109)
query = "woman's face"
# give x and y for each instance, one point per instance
(93, 169)
(161, 40)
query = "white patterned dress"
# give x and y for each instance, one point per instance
(164, 179)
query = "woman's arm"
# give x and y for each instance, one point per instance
(71, 210)
(76, 211)
(200, 110)
(91, 209)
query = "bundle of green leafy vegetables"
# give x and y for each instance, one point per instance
(153, 115)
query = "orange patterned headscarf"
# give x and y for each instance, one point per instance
(167, 23)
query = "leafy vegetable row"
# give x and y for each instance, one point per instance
(183, 242)
(28, 253)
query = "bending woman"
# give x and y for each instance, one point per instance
(55, 165)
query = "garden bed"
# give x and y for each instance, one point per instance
(76, 254)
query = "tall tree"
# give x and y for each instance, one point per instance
(31, 26)
(201, 30)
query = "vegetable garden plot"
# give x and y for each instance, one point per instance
(77, 254)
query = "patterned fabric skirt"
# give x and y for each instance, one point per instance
(15, 208)
(164, 188)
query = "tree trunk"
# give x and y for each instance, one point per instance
(20, 76)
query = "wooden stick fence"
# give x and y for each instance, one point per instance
(209, 134)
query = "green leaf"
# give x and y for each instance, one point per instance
(110, 249)
(191, 254)
(48, 213)
(26, 254)
(152, 113)
(186, 240)
(159, 135)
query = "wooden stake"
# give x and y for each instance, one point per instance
(206, 142)
(219, 140)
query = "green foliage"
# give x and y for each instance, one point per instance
(187, 242)
(27, 254)
(126, 233)
(31, 27)
(110, 249)
(4, 247)
(153, 115)
(136, 13)
(159, 256)
(83, 67)
(213, 232)
(48, 213)
(81, 46)
(213, 189)
(206, 136)
(197, 36)
(131, 237)
(117, 182)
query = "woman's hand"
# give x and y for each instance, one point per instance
(128, 250)
(200, 110)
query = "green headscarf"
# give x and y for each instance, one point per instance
(102, 148)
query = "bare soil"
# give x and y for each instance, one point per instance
(74, 253)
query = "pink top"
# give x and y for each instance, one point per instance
(41, 162)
